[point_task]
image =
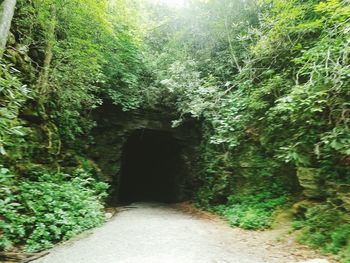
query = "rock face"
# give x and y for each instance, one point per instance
(115, 126)
(308, 180)
(313, 188)
(339, 195)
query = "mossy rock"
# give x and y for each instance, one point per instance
(309, 180)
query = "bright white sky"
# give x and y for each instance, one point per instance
(173, 3)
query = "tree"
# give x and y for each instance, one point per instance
(7, 10)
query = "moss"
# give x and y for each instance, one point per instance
(325, 226)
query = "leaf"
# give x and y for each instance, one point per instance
(17, 130)
(2, 150)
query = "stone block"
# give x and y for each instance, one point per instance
(308, 179)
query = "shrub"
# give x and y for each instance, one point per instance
(326, 227)
(251, 210)
(56, 207)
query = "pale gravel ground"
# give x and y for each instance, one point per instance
(154, 233)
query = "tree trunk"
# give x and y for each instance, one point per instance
(43, 85)
(7, 9)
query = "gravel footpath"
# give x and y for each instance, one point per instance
(152, 233)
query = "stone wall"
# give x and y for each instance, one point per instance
(112, 131)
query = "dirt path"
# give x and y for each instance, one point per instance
(152, 233)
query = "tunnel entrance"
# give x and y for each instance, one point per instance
(151, 167)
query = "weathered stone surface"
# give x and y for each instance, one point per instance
(108, 216)
(299, 209)
(115, 126)
(308, 180)
(339, 195)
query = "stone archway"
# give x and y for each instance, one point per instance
(114, 127)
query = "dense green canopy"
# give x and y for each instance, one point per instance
(268, 82)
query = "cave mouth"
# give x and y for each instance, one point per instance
(151, 167)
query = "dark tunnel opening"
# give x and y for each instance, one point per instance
(151, 167)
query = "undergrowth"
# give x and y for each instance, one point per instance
(37, 214)
(325, 227)
(252, 211)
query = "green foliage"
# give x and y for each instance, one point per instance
(252, 210)
(13, 94)
(323, 226)
(89, 51)
(64, 59)
(39, 213)
(245, 189)
(269, 80)
(287, 90)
